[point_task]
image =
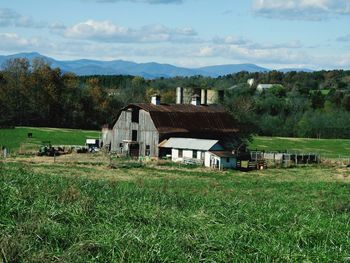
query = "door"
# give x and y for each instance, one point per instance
(134, 150)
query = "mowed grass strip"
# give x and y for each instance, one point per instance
(328, 147)
(14, 138)
(158, 216)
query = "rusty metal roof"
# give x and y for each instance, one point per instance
(177, 107)
(185, 118)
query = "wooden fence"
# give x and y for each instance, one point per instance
(288, 159)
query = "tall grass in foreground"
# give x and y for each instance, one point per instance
(213, 218)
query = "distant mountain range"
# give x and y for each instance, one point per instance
(150, 70)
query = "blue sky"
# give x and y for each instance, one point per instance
(192, 33)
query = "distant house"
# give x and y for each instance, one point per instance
(262, 87)
(112, 92)
(200, 151)
(141, 127)
(250, 82)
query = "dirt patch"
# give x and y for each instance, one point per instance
(342, 174)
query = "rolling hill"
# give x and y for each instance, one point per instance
(148, 70)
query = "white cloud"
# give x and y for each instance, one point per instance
(240, 41)
(251, 52)
(9, 17)
(105, 31)
(301, 9)
(206, 51)
(274, 55)
(231, 40)
(14, 42)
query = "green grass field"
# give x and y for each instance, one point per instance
(75, 208)
(14, 138)
(79, 212)
(322, 146)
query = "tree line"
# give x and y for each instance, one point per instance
(315, 104)
(34, 94)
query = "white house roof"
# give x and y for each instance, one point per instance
(188, 143)
(264, 86)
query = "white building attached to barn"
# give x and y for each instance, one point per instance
(200, 151)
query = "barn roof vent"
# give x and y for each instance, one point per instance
(155, 99)
(196, 100)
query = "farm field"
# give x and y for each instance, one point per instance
(328, 147)
(14, 138)
(78, 209)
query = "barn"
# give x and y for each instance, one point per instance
(141, 127)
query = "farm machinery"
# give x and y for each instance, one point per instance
(48, 150)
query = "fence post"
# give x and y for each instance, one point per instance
(319, 159)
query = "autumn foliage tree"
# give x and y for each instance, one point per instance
(308, 104)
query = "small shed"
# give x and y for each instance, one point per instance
(93, 143)
(220, 160)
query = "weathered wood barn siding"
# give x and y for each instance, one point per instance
(121, 130)
(147, 133)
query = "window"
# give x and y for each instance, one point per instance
(134, 135)
(135, 115)
(227, 159)
(194, 154)
(120, 145)
(148, 150)
(180, 153)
